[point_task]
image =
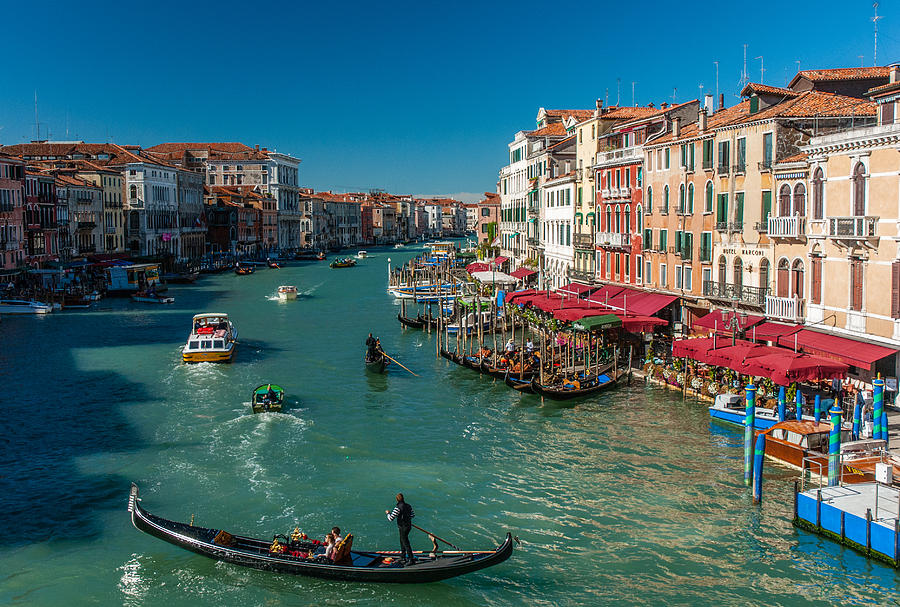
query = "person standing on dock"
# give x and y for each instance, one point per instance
(403, 514)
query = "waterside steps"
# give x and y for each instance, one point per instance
(863, 516)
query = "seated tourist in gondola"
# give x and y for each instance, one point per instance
(329, 546)
(570, 383)
(276, 547)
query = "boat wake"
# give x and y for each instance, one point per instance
(311, 290)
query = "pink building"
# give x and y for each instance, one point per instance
(12, 203)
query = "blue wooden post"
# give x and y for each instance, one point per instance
(878, 397)
(758, 455)
(781, 404)
(884, 429)
(857, 420)
(749, 422)
(834, 447)
(817, 412)
(799, 402)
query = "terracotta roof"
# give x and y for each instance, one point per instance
(117, 154)
(74, 181)
(816, 104)
(226, 146)
(765, 89)
(730, 115)
(800, 157)
(884, 88)
(563, 114)
(551, 130)
(562, 143)
(843, 73)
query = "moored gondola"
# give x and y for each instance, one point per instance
(300, 558)
(452, 356)
(520, 382)
(376, 364)
(413, 323)
(576, 388)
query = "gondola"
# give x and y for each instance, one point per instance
(471, 362)
(519, 382)
(243, 270)
(413, 323)
(489, 369)
(593, 385)
(356, 566)
(452, 356)
(377, 364)
(345, 262)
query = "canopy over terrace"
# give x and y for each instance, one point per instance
(720, 321)
(633, 323)
(847, 351)
(522, 273)
(478, 266)
(778, 364)
(494, 277)
(575, 289)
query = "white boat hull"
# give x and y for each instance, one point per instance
(24, 307)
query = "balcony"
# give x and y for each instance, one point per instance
(785, 308)
(86, 225)
(736, 226)
(722, 169)
(761, 226)
(584, 241)
(787, 227)
(604, 192)
(533, 241)
(721, 226)
(739, 169)
(110, 229)
(581, 275)
(686, 253)
(859, 227)
(84, 200)
(708, 164)
(765, 166)
(724, 291)
(613, 240)
(674, 251)
(633, 153)
(534, 209)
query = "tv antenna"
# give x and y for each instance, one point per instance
(875, 21)
(717, 80)
(762, 69)
(633, 104)
(618, 90)
(744, 77)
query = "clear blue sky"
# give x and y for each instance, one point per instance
(408, 97)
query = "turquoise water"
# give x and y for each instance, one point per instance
(630, 497)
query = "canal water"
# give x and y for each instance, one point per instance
(629, 497)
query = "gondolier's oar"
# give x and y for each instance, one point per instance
(391, 359)
(430, 534)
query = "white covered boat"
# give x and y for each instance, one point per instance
(22, 306)
(286, 292)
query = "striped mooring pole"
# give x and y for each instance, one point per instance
(878, 397)
(799, 402)
(817, 412)
(759, 454)
(749, 422)
(834, 447)
(781, 404)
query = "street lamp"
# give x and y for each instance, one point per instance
(734, 323)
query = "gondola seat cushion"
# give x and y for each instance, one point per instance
(342, 551)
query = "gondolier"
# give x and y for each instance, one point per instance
(403, 514)
(370, 344)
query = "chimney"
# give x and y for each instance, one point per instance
(676, 127)
(599, 108)
(708, 105)
(895, 73)
(650, 105)
(721, 101)
(257, 147)
(664, 105)
(701, 119)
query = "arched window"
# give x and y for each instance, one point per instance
(723, 265)
(783, 278)
(618, 219)
(800, 200)
(784, 201)
(859, 189)
(818, 194)
(690, 199)
(709, 198)
(639, 215)
(681, 201)
(665, 203)
(608, 218)
(797, 279)
(738, 272)
(627, 219)
(764, 274)
(649, 199)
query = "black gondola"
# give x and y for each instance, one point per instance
(413, 323)
(358, 566)
(494, 371)
(519, 382)
(377, 364)
(591, 385)
(452, 356)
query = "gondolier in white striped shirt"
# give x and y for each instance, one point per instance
(403, 514)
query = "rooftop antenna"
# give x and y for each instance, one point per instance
(717, 78)
(861, 60)
(762, 69)
(744, 77)
(701, 90)
(618, 87)
(632, 94)
(37, 125)
(674, 94)
(606, 101)
(875, 21)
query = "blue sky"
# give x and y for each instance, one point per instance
(406, 96)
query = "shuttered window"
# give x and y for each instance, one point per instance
(739, 203)
(856, 285)
(817, 280)
(818, 194)
(766, 206)
(895, 289)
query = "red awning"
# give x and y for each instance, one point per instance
(646, 304)
(605, 293)
(719, 319)
(786, 367)
(522, 273)
(477, 266)
(520, 297)
(499, 260)
(573, 314)
(771, 331)
(575, 288)
(693, 347)
(842, 349)
(636, 323)
(738, 356)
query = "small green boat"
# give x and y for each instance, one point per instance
(268, 397)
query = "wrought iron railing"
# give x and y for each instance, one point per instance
(753, 296)
(583, 240)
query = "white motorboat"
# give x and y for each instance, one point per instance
(152, 298)
(22, 306)
(362, 255)
(286, 292)
(213, 339)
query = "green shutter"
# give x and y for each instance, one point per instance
(766, 206)
(739, 201)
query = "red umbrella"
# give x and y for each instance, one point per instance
(787, 367)
(736, 357)
(477, 266)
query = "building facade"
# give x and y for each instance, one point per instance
(12, 212)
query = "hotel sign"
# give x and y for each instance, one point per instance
(745, 252)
